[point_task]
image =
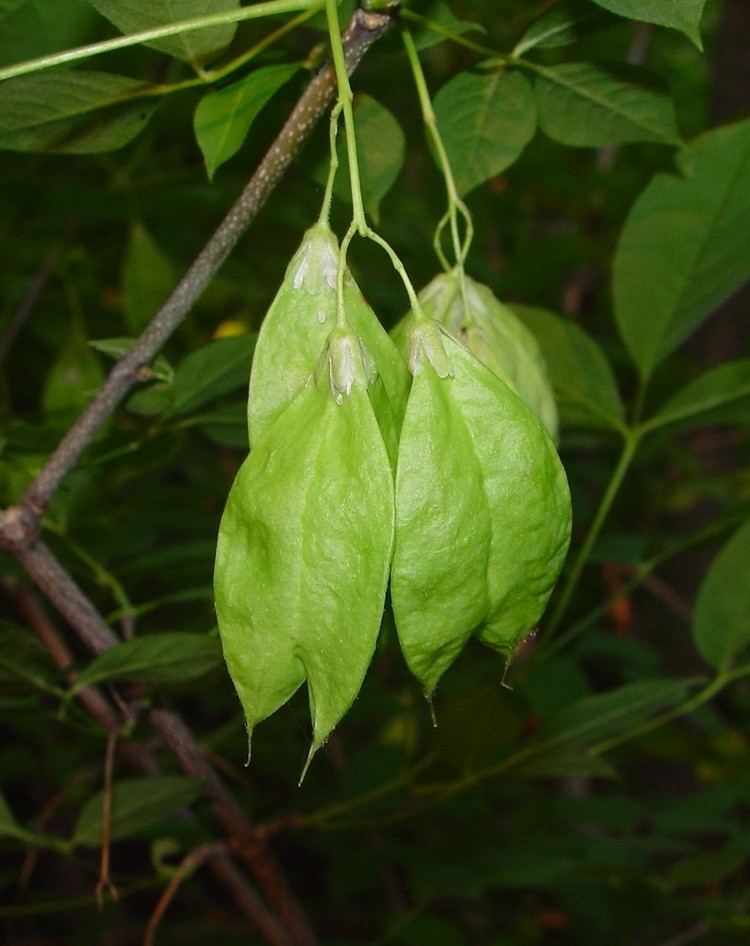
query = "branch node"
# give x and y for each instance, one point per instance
(19, 527)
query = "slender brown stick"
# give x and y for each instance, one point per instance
(19, 524)
(105, 880)
(32, 613)
(248, 845)
(363, 30)
(66, 596)
(247, 900)
(244, 896)
(192, 861)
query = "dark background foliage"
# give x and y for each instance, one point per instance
(593, 799)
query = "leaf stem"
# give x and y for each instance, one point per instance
(630, 446)
(17, 526)
(721, 680)
(640, 574)
(254, 12)
(455, 204)
(345, 101)
(448, 33)
(325, 210)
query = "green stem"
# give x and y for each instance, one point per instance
(325, 210)
(721, 680)
(446, 789)
(630, 446)
(345, 101)
(641, 573)
(399, 267)
(448, 33)
(254, 12)
(341, 320)
(640, 398)
(323, 815)
(455, 204)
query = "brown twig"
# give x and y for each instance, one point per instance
(19, 524)
(191, 862)
(247, 900)
(246, 843)
(139, 756)
(105, 880)
(32, 613)
(363, 30)
(30, 298)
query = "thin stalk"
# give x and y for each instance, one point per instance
(325, 210)
(345, 100)
(16, 526)
(341, 320)
(630, 446)
(398, 266)
(447, 789)
(254, 12)
(448, 33)
(455, 204)
(721, 680)
(640, 398)
(641, 573)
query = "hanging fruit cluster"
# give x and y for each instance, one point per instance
(426, 460)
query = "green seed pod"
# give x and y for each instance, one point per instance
(305, 546)
(482, 510)
(295, 330)
(493, 333)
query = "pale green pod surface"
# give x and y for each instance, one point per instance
(494, 334)
(528, 498)
(482, 511)
(391, 367)
(296, 329)
(439, 574)
(304, 548)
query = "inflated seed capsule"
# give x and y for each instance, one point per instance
(305, 545)
(482, 509)
(297, 326)
(493, 333)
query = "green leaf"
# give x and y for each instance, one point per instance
(9, 827)
(137, 804)
(226, 425)
(581, 376)
(720, 387)
(721, 622)
(152, 400)
(380, 145)
(583, 104)
(221, 366)
(74, 377)
(29, 28)
(560, 25)
(168, 657)
(685, 246)
(147, 279)
(683, 15)
(132, 16)
(223, 117)
(76, 112)
(440, 23)
(117, 347)
(604, 716)
(23, 657)
(486, 122)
